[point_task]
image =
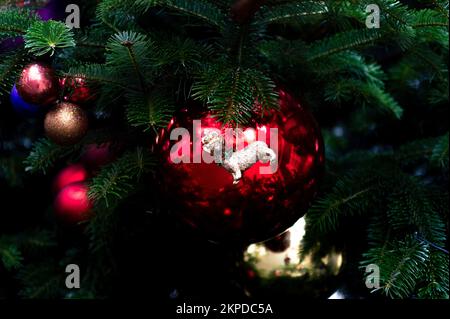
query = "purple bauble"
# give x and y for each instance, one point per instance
(22, 107)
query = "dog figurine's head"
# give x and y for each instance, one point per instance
(211, 140)
(266, 155)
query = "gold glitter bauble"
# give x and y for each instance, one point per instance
(66, 124)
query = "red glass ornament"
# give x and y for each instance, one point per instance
(97, 155)
(71, 174)
(72, 204)
(260, 206)
(38, 85)
(76, 90)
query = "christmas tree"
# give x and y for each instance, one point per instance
(85, 109)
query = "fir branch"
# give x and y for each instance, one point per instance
(101, 74)
(44, 155)
(401, 266)
(11, 171)
(115, 181)
(15, 22)
(41, 280)
(10, 255)
(372, 93)
(349, 196)
(44, 37)
(434, 150)
(342, 41)
(382, 98)
(149, 112)
(429, 18)
(10, 68)
(129, 55)
(290, 11)
(119, 15)
(36, 240)
(200, 9)
(231, 93)
(284, 54)
(264, 90)
(409, 210)
(436, 277)
(440, 156)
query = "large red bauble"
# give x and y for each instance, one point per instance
(71, 174)
(38, 84)
(76, 90)
(260, 206)
(72, 204)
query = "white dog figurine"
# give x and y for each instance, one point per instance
(236, 162)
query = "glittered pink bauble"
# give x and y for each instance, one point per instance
(261, 205)
(71, 174)
(72, 204)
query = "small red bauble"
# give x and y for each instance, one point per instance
(38, 85)
(69, 175)
(260, 205)
(76, 90)
(97, 155)
(72, 204)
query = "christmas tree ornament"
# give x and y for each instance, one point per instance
(251, 191)
(279, 257)
(66, 124)
(72, 204)
(37, 84)
(76, 90)
(95, 156)
(71, 174)
(22, 107)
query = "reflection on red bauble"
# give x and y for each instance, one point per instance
(72, 204)
(38, 85)
(76, 90)
(261, 205)
(71, 174)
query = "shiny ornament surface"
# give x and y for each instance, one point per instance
(72, 204)
(37, 84)
(260, 205)
(20, 106)
(76, 90)
(71, 174)
(285, 261)
(66, 124)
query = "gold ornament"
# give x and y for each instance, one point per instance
(66, 124)
(284, 260)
